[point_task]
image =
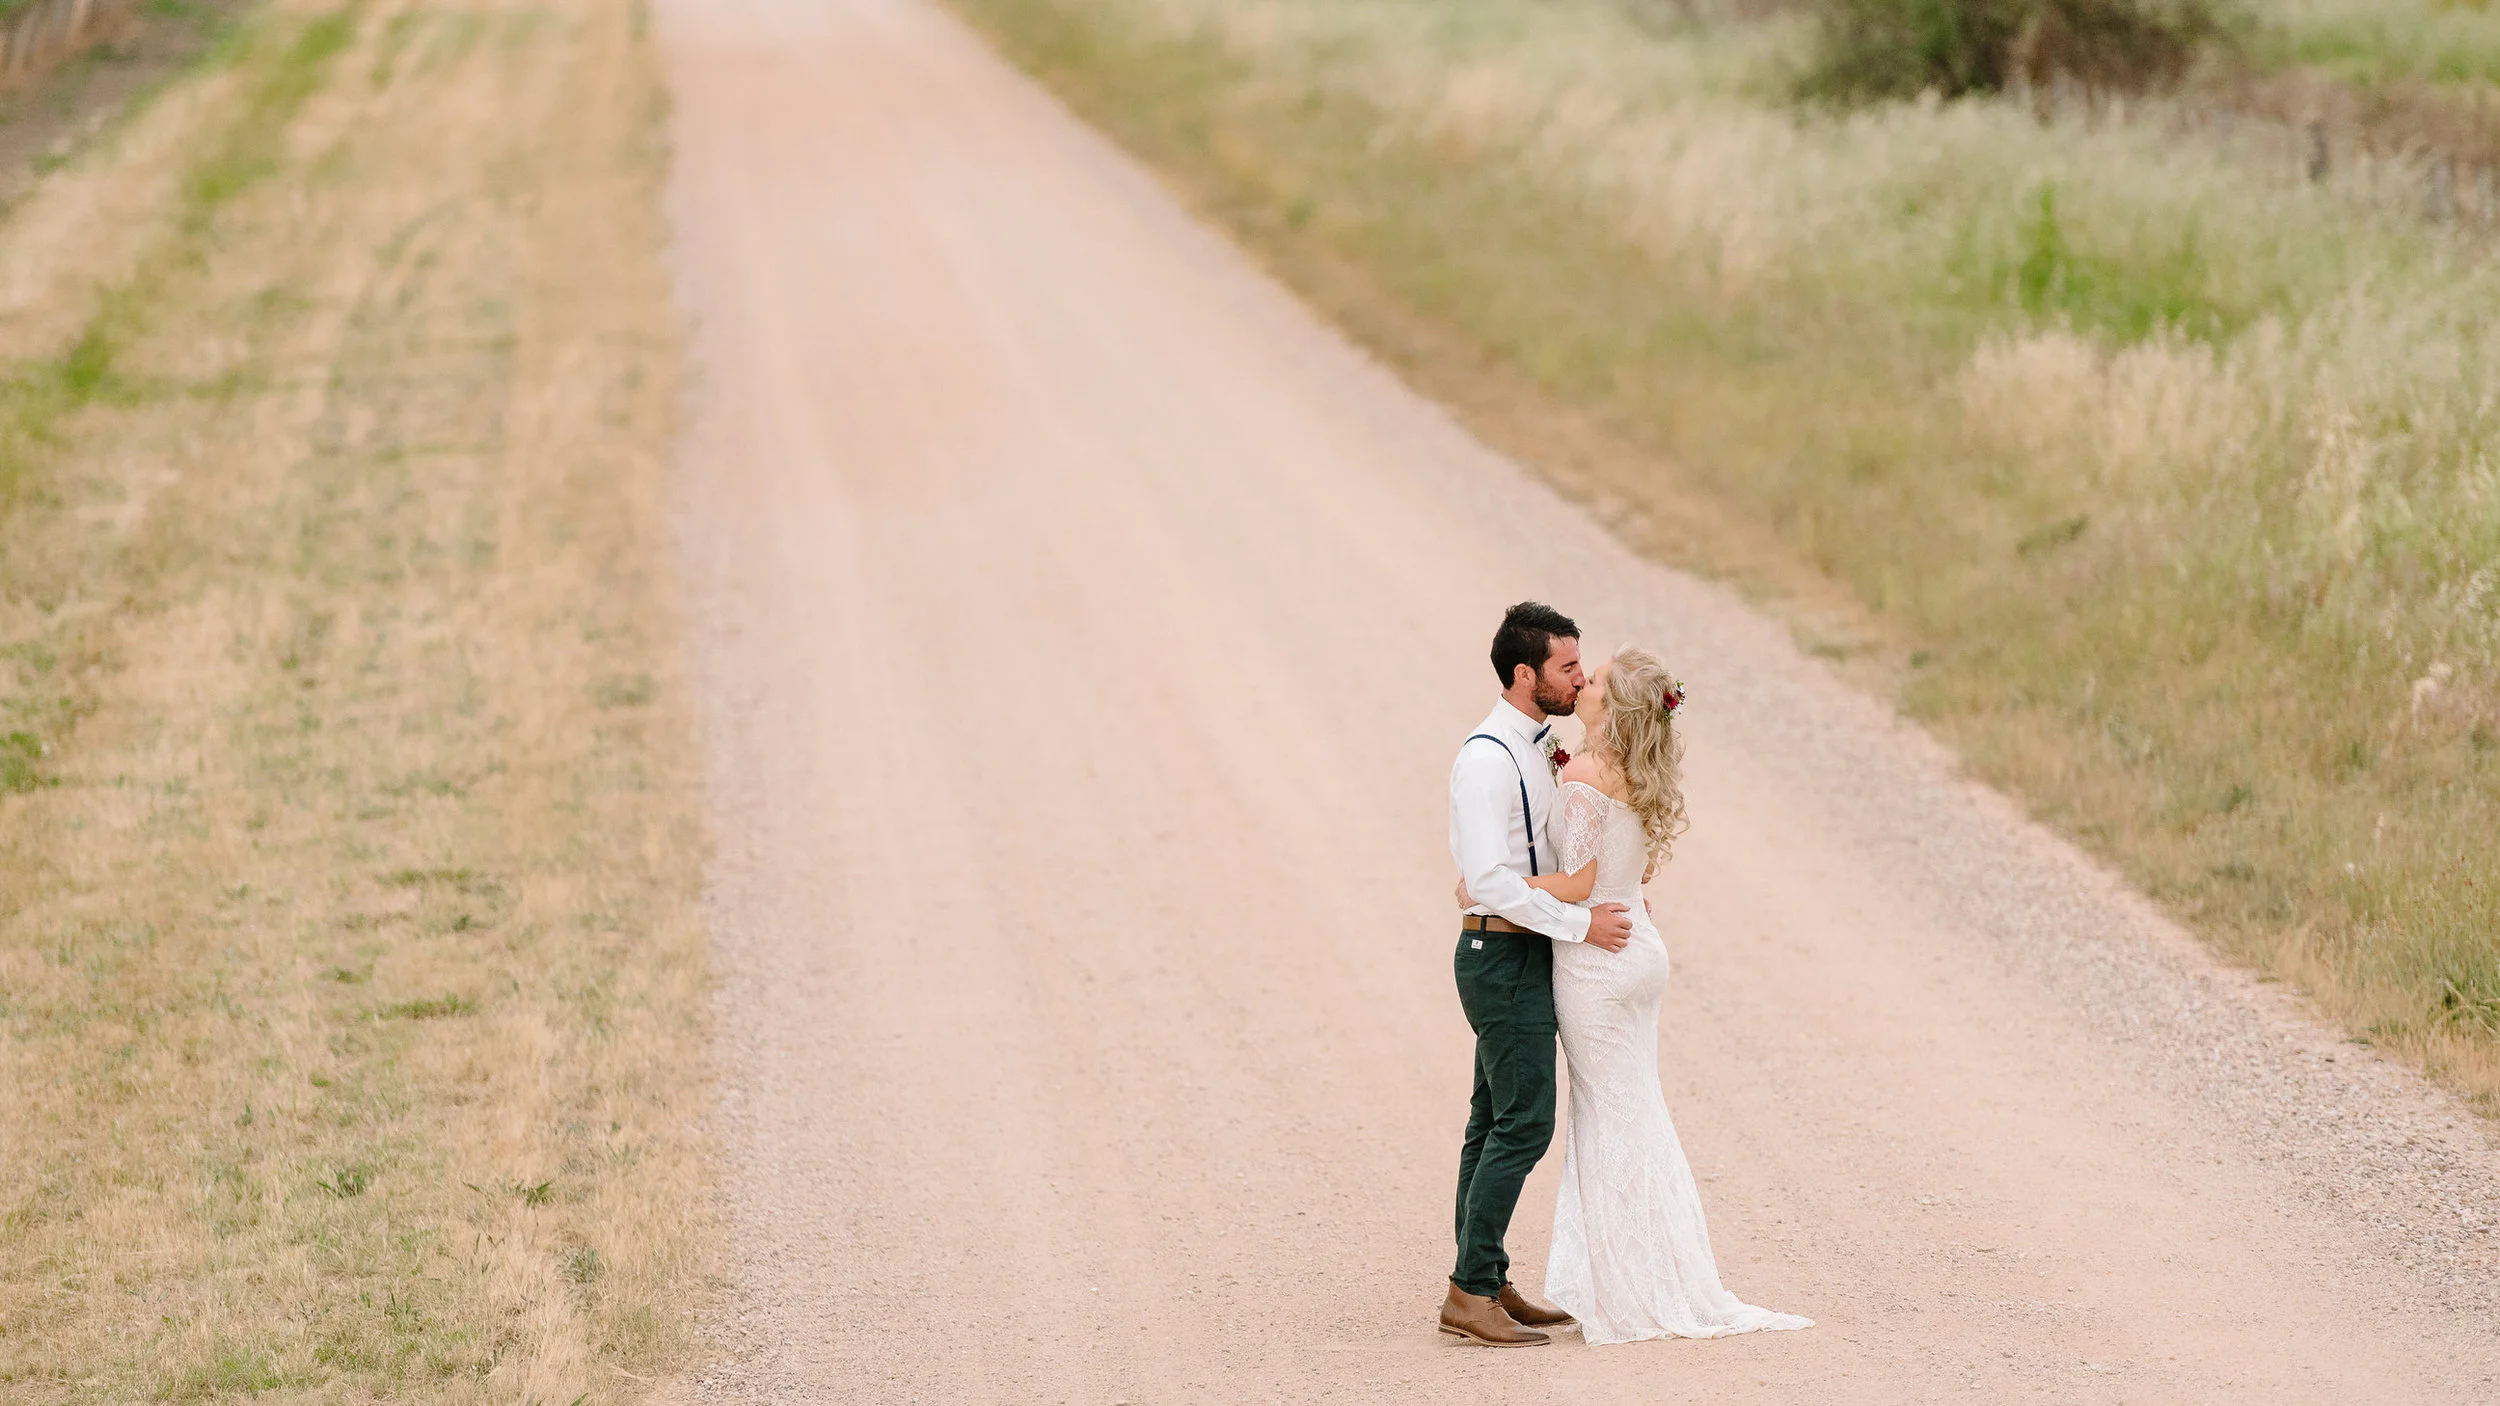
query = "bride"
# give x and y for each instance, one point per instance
(1631, 1255)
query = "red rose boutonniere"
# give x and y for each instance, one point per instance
(1555, 757)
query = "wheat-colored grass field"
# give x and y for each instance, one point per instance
(2159, 477)
(351, 984)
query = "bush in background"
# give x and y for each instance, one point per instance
(1898, 48)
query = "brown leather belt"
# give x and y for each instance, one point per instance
(1487, 923)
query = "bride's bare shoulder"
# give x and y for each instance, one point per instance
(1585, 770)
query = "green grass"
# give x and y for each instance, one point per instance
(2169, 478)
(251, 150)
(2124, 300)
(2377, 41)
(429, 1008)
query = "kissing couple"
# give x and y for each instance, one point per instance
(1552, 852)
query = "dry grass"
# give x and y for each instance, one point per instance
(351, 985)
(2167, 482)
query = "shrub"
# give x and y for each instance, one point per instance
(1896, 48)
(2115, 45)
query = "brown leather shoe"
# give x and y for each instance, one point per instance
(1530, 1312)
(1480, 1319)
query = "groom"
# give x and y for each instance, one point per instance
(1500, 789)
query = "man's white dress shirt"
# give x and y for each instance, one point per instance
(1489, 831)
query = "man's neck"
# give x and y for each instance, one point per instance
(1525, 702)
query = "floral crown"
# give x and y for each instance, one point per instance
(1671, 697)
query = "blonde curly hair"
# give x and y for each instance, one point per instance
(1639, 742)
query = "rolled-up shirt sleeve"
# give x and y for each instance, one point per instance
(1483, 790)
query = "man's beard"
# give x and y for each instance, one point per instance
(1555, 705)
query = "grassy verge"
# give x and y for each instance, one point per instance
(2161, 480)
(2379, 41)
(350, 980)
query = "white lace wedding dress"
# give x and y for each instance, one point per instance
(1631, 1256)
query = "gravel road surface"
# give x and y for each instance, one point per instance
(1084, 633)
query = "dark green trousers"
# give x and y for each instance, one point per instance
(1506, 982)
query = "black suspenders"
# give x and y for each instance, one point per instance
(1527, 817)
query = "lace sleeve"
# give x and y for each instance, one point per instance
(1579, 824)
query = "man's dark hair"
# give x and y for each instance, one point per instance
(1527, 636)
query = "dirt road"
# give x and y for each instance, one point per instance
(1084, 634)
